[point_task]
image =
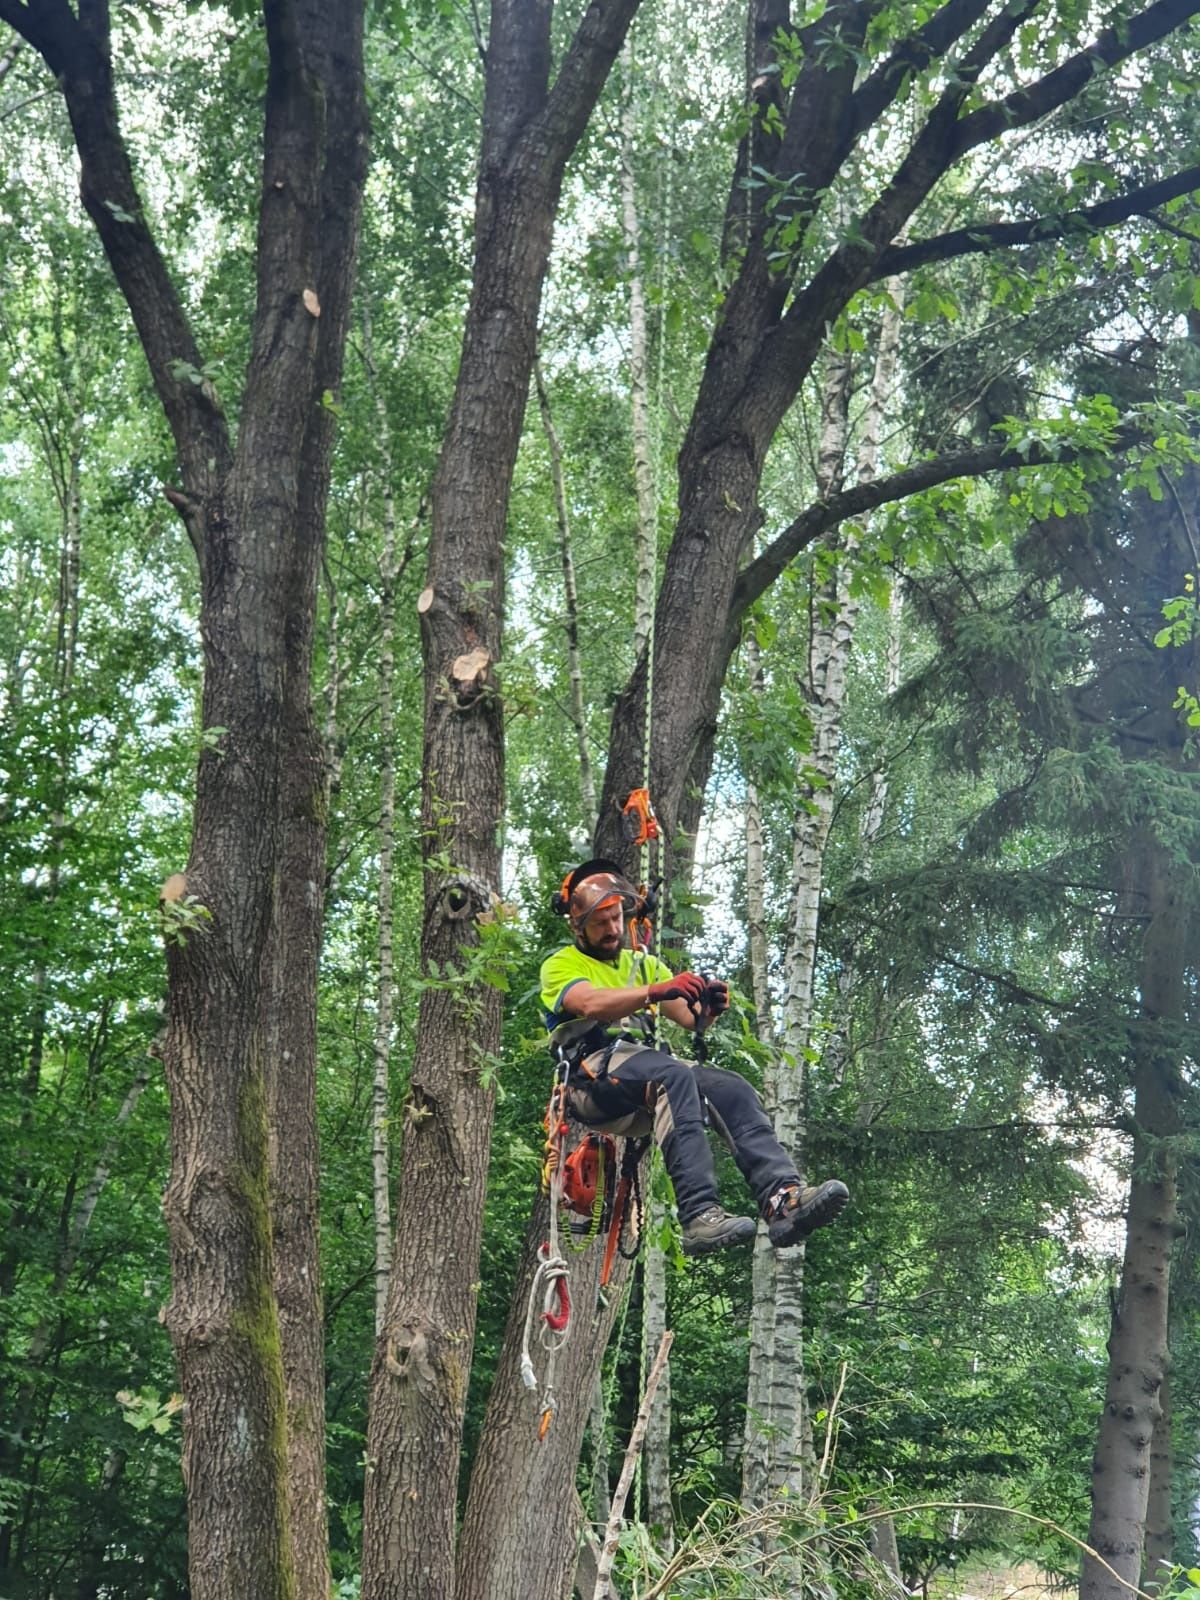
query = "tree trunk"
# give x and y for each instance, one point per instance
(385, 989)
(254, 515)
(1159, 1551)
(587, 785)
(522, 1498)
(756, 1444)
(831, 631)
(423, 1354)
(289, 999)
(659, 1513)
(1137, 1346)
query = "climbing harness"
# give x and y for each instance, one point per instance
(587, 1187)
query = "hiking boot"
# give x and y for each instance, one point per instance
(714, 1229)
(792, 1212)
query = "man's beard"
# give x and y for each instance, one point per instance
(599, 952)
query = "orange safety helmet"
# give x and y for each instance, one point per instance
(591, 886)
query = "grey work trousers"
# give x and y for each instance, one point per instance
(639, 1079)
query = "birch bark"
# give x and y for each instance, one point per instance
(587, 783)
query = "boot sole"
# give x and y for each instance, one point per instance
(825, 1207)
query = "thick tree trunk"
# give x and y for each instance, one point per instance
(519, 1532)
(253, 515)
(1137, 1346)
(289, 1000)
(423, 1354)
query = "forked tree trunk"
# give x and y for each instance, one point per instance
(1137, 1346)
(772, 324)
(423, 1353)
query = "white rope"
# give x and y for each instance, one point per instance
(546, 1300)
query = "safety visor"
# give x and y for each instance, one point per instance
(595, 893)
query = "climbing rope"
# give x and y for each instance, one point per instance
(549, 1293)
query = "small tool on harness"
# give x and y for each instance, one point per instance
(587, 1188)
(630, 1162)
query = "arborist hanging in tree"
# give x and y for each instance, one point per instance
(597, 994)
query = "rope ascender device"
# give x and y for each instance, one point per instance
(638, 821)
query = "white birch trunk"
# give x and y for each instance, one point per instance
(333, 685)
(654, 1300)
(639, 393)
(385, 991)
(835, 1055)
(587, 784)
(756, 1448)
(829, 649)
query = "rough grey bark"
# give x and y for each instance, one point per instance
(1137, 1345)
(255, 513)
(423, 1353)
(522, 1491)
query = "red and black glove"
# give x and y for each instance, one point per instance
(683, 986)
(716, 998)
